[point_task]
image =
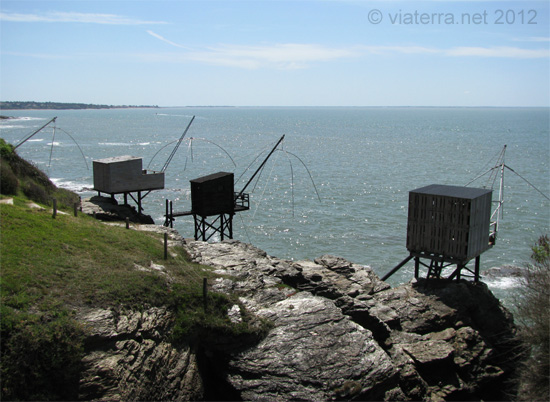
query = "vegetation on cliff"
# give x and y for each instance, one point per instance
(19, 177)
(50, 268)
(534, 314)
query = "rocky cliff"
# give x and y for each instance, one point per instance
(338, 332)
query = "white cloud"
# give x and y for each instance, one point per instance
(156, 35)
(499, 51)
(287, 56)
(291, 56)
(49, 56)
(90, 18)
(400, 49)
(281, 56)
(533, 39)
(464, 51)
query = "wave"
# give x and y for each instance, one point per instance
(24, 118)
(115, 144)
(11, 126)
(175, 115)
(77, 187)
(123, 144)
(29, 118)
(503, 283)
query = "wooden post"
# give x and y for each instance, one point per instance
(75, 207)
(205, 292)
(167, 217)
(165, 245)
(476, 270)
(127, 223)
(397, 267)
(171, 215)
(54, 208)
(139, 203)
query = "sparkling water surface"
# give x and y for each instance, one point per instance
(360, 162)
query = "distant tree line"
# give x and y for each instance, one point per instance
(61, 105)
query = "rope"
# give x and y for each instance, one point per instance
(291, 181)
(80, 149)
(51, 149)
(245, 229)
(263, 192)
(528, 182)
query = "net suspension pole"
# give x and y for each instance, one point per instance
(177, 146)
(260, 168)
(35, 132)
(498, 212)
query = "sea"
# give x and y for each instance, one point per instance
(337, 184)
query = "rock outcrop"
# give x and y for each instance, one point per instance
(338, 332)
(342, 333)
(129, 358)
(108, 209)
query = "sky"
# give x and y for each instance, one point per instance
(276, 53)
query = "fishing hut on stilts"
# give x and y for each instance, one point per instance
(452, 225)
(448, 226)
(214, 203)
(125, 175)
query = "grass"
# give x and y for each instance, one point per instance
(77, 261)
(52, 267)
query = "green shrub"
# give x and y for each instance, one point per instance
(41, 357)
(65, 198)
(534, 315)
(36, 193)
(8, 181)
(211, 326)
(6, 150)
(23, 169)
(17, 173)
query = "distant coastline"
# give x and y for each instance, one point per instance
(32, 105)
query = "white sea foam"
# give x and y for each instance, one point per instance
(503, 283)
(175, 115)
(24, 118)
(115, 144)
(10, 126)
(77, 187)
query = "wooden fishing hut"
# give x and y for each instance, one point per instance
(448, 225)
(213, 205)
(214, 202)
(125, 175)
